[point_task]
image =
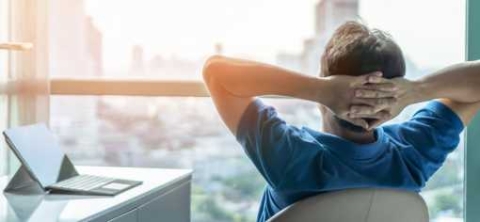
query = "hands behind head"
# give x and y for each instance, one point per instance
(356, 98)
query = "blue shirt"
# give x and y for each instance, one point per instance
(301, 162)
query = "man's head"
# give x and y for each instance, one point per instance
(355, 50)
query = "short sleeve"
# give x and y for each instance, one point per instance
(267, 140)
(432, 133)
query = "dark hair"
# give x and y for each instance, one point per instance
(356, 50)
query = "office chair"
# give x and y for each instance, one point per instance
(357, 205)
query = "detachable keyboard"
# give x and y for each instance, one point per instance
(82, 183)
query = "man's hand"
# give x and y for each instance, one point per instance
(366, 95)
(403, 95)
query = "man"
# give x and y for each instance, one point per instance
(350, 151)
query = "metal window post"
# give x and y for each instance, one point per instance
(472, 151)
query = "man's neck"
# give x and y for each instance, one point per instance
(356, 137)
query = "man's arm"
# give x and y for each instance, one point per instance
(233, 84)
(466, 111)
(457, 86)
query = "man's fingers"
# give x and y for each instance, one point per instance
(377, 104)
(367, 93)
(382, 115)
(365, 111)
(364, 79)
(362, 110)
(389, 87)
(376, 79)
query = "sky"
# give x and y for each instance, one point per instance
(431, 32)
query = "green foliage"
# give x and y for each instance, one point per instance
(248, 186)
(213, 206)
(446, 176)
(446, 204)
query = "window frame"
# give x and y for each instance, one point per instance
(127, 87)
(472, 139)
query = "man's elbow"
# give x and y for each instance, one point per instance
(211, 68)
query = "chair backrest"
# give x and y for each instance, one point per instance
(357, 205)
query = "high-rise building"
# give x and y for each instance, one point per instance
(137, 66)
(68, 48)
(73, 118)
(329, 14)
(155, 65)
(219, 49)
(94, 47)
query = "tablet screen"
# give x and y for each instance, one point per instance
(38, 150)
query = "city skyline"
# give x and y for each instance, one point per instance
(244, 30)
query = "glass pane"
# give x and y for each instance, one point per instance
(171, 133)
(166, 40)
(429, 41)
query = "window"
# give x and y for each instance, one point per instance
(169, 40)
(149, 132)
(437, 42)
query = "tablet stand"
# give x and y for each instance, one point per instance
(22, 182)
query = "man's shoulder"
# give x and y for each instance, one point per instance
(434, 125)
(433, 114)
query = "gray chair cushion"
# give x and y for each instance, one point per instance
(357, 205)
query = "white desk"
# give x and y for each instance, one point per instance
(163, 196)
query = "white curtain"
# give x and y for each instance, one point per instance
(4, 69)
(26, 80)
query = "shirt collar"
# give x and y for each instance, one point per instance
(351, 149)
